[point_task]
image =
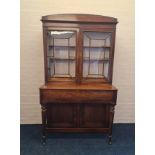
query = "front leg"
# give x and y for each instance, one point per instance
(43, 139)
(44, 109)
(110, 139)
(112, 110)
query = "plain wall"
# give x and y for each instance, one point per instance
(32, 69)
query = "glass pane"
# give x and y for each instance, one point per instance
(97, 39)
(96, 54)
(106, 67)
(61, 53)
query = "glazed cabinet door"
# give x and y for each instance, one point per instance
(94, 115)
(97, 55)
(61, 115)
(60, 46)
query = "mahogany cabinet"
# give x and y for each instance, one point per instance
(78, 95)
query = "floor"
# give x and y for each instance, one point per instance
(123, 142)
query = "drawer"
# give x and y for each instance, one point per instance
(76, 96)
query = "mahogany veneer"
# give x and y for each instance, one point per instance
(77, 102)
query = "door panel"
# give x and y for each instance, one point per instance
(94, 115)
(61, 115)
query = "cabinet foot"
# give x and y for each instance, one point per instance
(43, 140)
(109, 140)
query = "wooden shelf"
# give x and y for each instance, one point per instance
(94, 76)
(97, 46)
(61, 46)
(51, 46)
(66, 59)
(95, 59)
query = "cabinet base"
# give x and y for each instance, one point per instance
(77, 130)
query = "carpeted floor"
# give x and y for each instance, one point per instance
(78, 144)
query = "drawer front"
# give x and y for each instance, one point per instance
(76, 96)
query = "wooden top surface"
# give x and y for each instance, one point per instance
(74, 86)
(86, 18)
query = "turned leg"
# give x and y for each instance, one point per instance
(112, 110)
(110, 139)
(43, 107)
(43, 139)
